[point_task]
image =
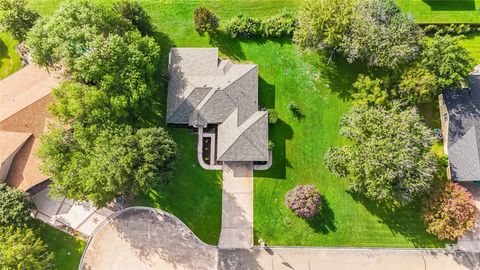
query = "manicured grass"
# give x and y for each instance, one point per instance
(9, 59)
(472, 44)
(442, 11)
(68, 249)
(322, 91)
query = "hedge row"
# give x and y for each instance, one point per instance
(281, 25)
(451, 29)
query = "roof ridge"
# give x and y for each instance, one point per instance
(243, 131)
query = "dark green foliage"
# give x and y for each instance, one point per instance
(205, 21)
(271, 145)
(16, 18)
(371, 91)
(243, 26)
(272, 116)
(418, 85)
(390, 159)
(132, 11)
(450, 29)
(105, 152)
(447, 60)
(279, 26)
(14, 207)
(117, 162)
(21, 248)
(69, 33)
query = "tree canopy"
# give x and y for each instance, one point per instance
(20, 248)
(16, 18)
(118, 161)
(205, 21)
(132, 11)
(390, 158)
(101, 146)
(14, 207)
(447, 60)
(450, 212)
(323, 23)
(65, 36)
(381, 35)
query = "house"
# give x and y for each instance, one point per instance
(460, 117)
(218, 99)
(24, 98)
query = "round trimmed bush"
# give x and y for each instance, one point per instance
(304, 200)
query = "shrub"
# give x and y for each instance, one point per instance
(21, 248)
(205, 21)
(242, 26)
(449, 29)
(133, 12)
(14, 207)
(272, 116)
(295, 109)
(281, 25)
(271, 145)
(304, 200)
(450, 212)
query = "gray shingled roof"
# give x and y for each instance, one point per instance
(204, 89)
(463, 108)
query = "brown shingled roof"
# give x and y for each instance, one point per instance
(24, 99)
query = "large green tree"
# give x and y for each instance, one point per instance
(381, 35)
(323, 23)
(16, 18)
(390, 158)
(116, 161)
(417, 85)
(132, 11)
(67, 35)
(447, 60)
(14, 207)
(21, 248)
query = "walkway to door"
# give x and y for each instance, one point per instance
(237, 205)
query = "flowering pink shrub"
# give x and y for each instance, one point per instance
(304, 200)
(450, 212)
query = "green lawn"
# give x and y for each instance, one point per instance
(442, 11)
(68, 249)
(9, 59)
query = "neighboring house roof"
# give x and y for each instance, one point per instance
(204, 89)
(463, 143)
(24, 98)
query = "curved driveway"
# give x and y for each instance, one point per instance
(145, 238)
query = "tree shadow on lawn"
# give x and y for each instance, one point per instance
(154, 114)
(341, 75)
(324, 222)
(278, 134)
(226, 45)
(266, 94)
(406, 221)
(3, 52)
(452, 5)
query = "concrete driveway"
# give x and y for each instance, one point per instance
(144, 238)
